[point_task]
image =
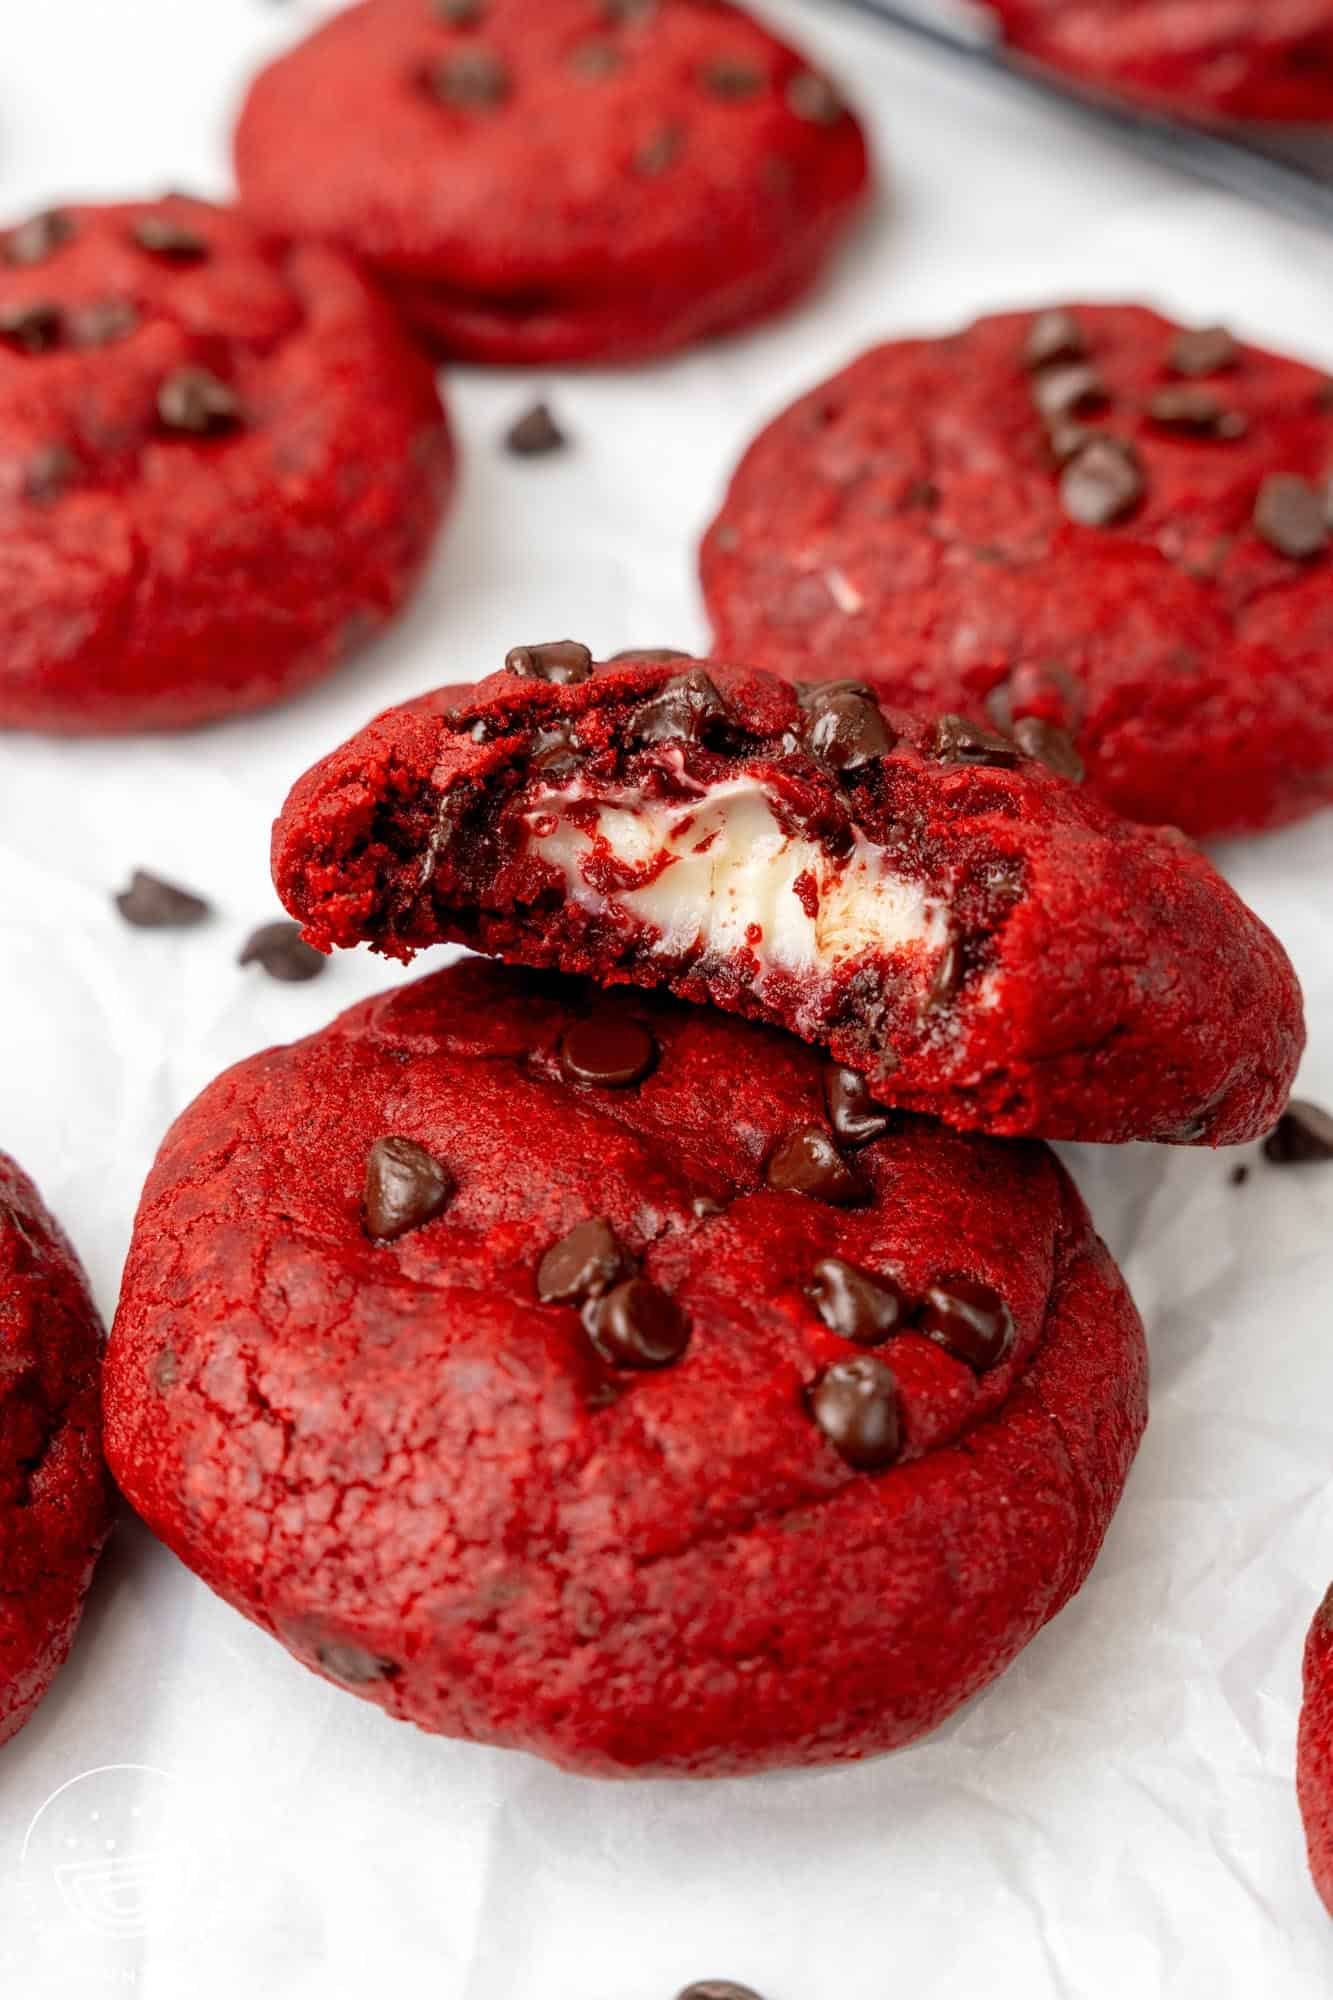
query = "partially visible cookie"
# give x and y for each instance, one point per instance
(1314, 1754)
(54, 1492)
(584, 180)
(1086, 517)
(221, 466)
(547, 1367)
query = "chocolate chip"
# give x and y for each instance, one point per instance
(679, 712)
(608, 1052)
(50, 473)
(1202, 350)
(561, 661)
(1289, 516)
(846, 727)
(458, 13)
(470, 80)
(946, 979)
(807, 1162)
(1065, 440)
(596, 59)
(969, 1321)
(1239, 1175)
(151, 904)
(958, 741)
(106, 320)
(813, 98)
(555, 752)
(193, 400)
(727, 77)
(718, 1989)
(623, 13)
(1190, 408)
(283, 953)
(583, 1264)
(660, 152)
(163, 236)
(1053, 336)
(353, 1665)
(637, 1326)
(854, 1116)
(651, 656)
(406, 1187)
(1076, 390)
(1049, 745)
(1102, 484)
(535, 433)
(854, 1303)
(855, 1404)
(38, 238)
(1302, 1134)
(33, 329)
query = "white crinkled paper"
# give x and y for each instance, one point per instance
(192, 1816)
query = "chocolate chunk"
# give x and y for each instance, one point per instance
(855, 1404)
(1303, 1133)
(717, 1989)
(283, 953)
(854, 1303)
(535, 433)
(1103, 483)
(655, 155)
(651, 656)
(807, 1162)
(854, 1116)
(33, 329)
(583, 1264)
(846, 728)
(1202, 350)
(561, 661)
(1075, 390)
(727, 77)
(1053, 336)
(813, 98)
(969, 1321)
(38, 238)
(1190, 408)
(459, 13)
(406, 1187)
(958, 741)
(193, 400)
(470, 80)
(163, 236)
(151, 904)
(679, 712)
(107, 320)
(1289, 516)
(637, 1326)
(353, 1665)
(51, 471)
(1049, 745)
(596, 59)
(608, 1052)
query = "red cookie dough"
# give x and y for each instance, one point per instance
(1211, 59)
(221, 467)
(54, 1492)
(584, 180)
(1088, 516)
(935, 908)
(646, 1502)
(1314, 1752)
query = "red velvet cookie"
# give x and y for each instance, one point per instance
(1246, 59)
(54, 1492)
(584, 180)
(1089, 517)
(933, 906)
(220, 467)
(1314, 1754)
(538, 1364)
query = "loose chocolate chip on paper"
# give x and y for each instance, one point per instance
(717, 1989)
(1189, 407)
(405, 1188)
(194, 401)
(1304, 1133)
(561, 661)
(1073, 391)
(470, 80)
(1289, 516)
(104, 321)
(151, 904)
(283, 953)
(1102, 484)
(637, 1326)
(535, 433)
(1239, 1175)
(353, 1665)
(855, 1404)
(846, 728)
(1202, 350)
(51, 472)
(807, 1162)
(1053, 336)
(38, 238)
(164, 236)
(958, 741)
(610, 1053)
(679, 712)
(1049, 745)
(853, 1114)
(33, 329)
(970, 1320)
(855, 1303)
(584, 1264)
(814, 99)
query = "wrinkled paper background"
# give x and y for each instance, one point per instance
(191, 1814)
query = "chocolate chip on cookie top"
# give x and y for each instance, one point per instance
(405, 1188)
(855, 1404)
(611, 1052)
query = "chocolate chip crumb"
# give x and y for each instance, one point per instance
(194, 401)
(163, 236)
(807, 1162)
(38, 238)
(1103, 483)
(564, 662)
(33, 329)
(1049, 745)
(1304, 1133)
(535, 433)
(1053, 336)
(1289, 516)
(405, 1188)
(1203, 350)
(855, 1404)
(470, 80)
(814, 99)
(283, 954)
(151, 904)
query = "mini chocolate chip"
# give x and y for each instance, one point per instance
(1289, 516)
(405, 1188)
(1103, 483)
(195, 401)
(1053, 336)
(1202, 350)
(561, 661)
(651, 656)
(1049, 745)
(812, 97)
(679, 712)
(535, 433)
(33, 329)
(1075, 390)
(854, 1303)
(470, 80)
(727, 77)
(283, 954)
(38, 238)
(151, 904)
(807, 1162)
(458, 13)
(51, 471)
(846, 728)
(722, 1989)
(853, 1114)
(163, 236)
(608, 1052)
(855, 1404)
(968, 1320)
(1303, 1133)
(583, 1264)
(596, 59)
(958, 741)
(1188, 407)
(106, 320)
(637, 1326)
(655, 155)
(353, 1665)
